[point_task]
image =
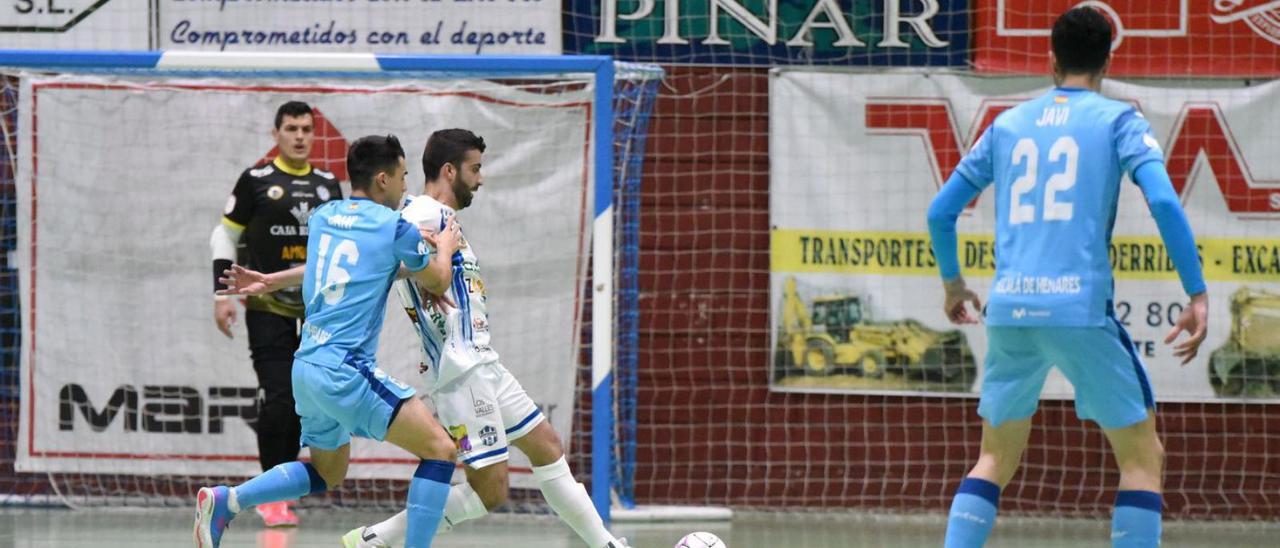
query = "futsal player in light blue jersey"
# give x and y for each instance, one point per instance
(1057, 163)
(355, 248)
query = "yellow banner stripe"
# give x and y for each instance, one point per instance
(909, 254)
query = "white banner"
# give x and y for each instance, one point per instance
(417, 26)
(857, 302)
(123, 370)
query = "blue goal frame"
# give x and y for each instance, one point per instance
(348, 64)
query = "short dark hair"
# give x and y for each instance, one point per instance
(448, 146)
(1082, 41)
(294, 109)
(369, 155)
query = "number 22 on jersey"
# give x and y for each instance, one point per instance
(1026, 152)
(331, 278)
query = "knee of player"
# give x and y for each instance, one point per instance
(1152, 455)
(1156, 450)
(332, 475)
(545, 452)
(440, 447)
(1002, 457)
(493, 494)
(542, 446)
(1001, 465)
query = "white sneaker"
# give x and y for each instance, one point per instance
(359, 538)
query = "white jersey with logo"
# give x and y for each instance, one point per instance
(457, 341)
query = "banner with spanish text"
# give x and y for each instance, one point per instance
(856, 295)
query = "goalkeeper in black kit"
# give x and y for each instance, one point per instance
(267, 212)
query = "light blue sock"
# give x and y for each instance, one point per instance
(286, 481)
(973, 513)
(428, 492)
(1136, 521)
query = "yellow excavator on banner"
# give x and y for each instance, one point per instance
(834, 335)
(1248, 364)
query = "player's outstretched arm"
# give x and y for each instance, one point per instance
(1178, 239)
(435, 278)
(222, 242)
(943, 212)
(242, 281)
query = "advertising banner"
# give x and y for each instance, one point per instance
(772, 32)
(1175, 38)
(418, 26)
(856, 295)
(123, 370)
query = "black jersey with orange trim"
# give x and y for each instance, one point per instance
(270, 205)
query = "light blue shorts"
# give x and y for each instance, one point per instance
(336, 401)
(1110, 381)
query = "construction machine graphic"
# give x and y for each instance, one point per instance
(1248, 364)
(833, 335)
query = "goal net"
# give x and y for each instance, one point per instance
(800, 143)
(123, 392)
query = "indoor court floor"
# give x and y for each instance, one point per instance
(97, 528)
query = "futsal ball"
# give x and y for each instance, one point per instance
(700, 539)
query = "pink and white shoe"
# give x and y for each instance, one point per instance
(277, 514)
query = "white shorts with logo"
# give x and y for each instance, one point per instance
(484, 411)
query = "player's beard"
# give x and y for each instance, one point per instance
(462, 192)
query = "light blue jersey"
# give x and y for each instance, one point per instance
(1057, 162)
(354, 249)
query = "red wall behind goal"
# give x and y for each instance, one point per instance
(710, 432)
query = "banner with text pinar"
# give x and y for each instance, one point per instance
(856, 296)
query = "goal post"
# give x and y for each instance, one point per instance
(580, 97)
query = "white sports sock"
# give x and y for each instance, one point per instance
(570, 501)
(463, 505)
(233, 501)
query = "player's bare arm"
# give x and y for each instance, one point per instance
(243, 281)
(1194, 320)
(957, 294)
(439, 272)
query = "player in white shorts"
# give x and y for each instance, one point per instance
(481, 404)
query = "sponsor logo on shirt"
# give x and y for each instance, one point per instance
(343, 221)
(316, 333)
(294, 252)
(483, 408)
(275, 192)
(302, 212)
(459, 435)
(489, 435)
(1022, 313)
(1152, 143)
(1038, 285)
(288, 230)
(381, 375)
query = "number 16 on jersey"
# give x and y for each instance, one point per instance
(331, 278)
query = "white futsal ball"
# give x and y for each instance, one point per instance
(700, 539)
